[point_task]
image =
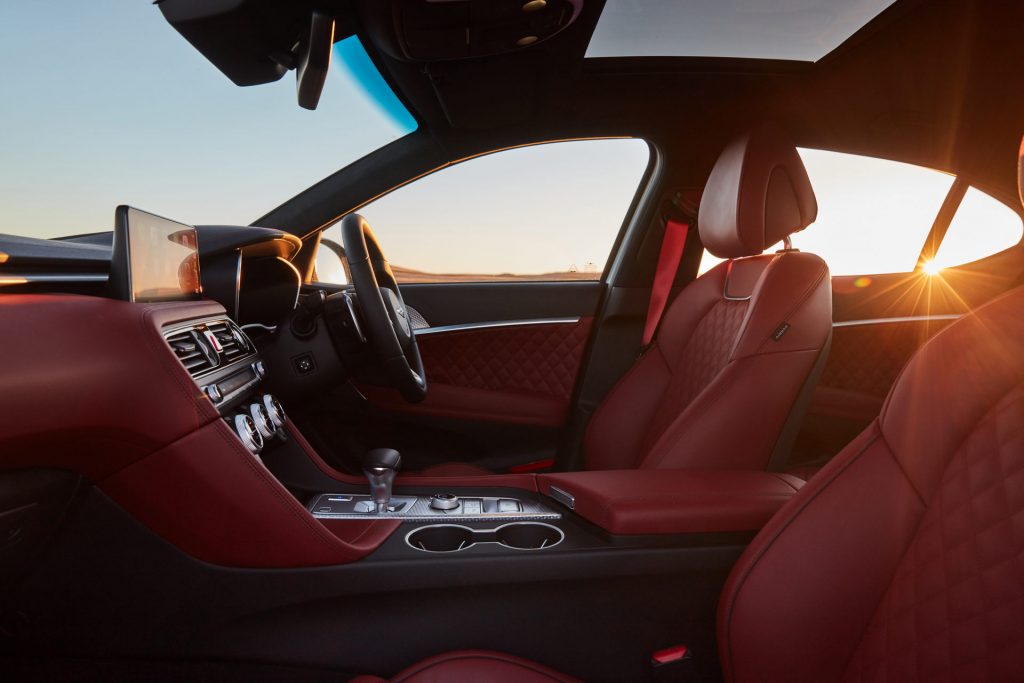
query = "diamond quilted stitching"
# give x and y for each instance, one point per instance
(706, 353)
(542, 359)
(955, 608)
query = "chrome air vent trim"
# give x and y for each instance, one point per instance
(209, 344)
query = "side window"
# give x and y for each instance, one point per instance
(538, 213)
(981, 226)
(873, 214)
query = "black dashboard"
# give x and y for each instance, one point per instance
(246, 269)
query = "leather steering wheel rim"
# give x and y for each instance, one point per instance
(380, 300)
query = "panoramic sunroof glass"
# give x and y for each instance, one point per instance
(802, 30)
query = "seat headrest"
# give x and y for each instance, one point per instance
(757, 193)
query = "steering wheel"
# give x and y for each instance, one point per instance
(380, 300)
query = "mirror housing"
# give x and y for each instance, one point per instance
(311, 73)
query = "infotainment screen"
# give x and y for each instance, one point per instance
(154, 259)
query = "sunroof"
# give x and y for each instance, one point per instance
(802, 30)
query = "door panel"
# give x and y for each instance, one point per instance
(505, 372)
(502, 362)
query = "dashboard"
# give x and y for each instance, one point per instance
(246, 269)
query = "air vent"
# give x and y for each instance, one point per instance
(193, 351)
(209, 345)
(234, 344)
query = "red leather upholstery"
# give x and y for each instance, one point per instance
(757, 193)
(627, 502)
(92, 387)
(518, 374)
(474, 666)
(738, 344)
(715, 363)
(901, 559)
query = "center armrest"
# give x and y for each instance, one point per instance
(625, 502)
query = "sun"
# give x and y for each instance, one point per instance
(931, 268)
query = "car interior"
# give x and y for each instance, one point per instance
(603, 340)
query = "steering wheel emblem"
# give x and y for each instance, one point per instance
(400, 311)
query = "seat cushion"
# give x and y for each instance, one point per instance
(474, 666)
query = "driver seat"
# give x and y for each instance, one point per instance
(719, 386)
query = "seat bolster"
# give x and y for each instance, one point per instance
(475, 666)
(971, 365)
(616, 431)
(795, 290)
(803, 592)
(735, 421)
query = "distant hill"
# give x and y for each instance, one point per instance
(411, 275)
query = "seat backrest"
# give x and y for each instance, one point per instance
(903, 559)
(736, 347)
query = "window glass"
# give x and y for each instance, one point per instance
(981, 227)
(804, 30)
(537, 213)
(119, 109)
(873, 214)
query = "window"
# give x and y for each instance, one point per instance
(538, 213)
(805, 30)
(119, 108)
(982, 226)
(873, 214)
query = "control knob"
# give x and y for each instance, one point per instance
(250, 436)
(444, 501)
(275, 411)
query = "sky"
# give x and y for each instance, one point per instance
(103, 103)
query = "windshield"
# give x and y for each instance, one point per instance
(105, 104)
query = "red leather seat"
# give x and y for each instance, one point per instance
(903, 558)
(739, 344)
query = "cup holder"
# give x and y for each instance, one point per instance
(527, 536)
(441, 538)
(451, 538)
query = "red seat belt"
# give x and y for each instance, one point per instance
(668, 263)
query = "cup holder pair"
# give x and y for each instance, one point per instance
(451, 538)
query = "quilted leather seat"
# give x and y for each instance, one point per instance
(739, 344)
(903, 559)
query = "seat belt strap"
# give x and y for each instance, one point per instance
(672, 245)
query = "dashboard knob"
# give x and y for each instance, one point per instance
(249, 435)
(444, 501)
(213, 393)
(263, 424)
(275, 411)
(259, 369)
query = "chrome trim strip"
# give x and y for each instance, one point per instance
(51, 277)
(897, 319)
(563, 497)
(497, 323)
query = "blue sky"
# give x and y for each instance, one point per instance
(103, 103)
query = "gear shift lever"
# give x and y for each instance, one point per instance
(380, 466)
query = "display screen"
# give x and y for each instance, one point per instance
(154, 259)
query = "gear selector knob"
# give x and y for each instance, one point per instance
(380, 466)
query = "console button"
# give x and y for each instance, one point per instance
(507, 505)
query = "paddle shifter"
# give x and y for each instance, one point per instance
(380, 466)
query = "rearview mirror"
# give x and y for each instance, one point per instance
(316, 59)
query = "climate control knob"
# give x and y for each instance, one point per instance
(275, 411)
(259, 416)
(248, 433)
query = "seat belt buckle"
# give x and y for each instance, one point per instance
(673, 665)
